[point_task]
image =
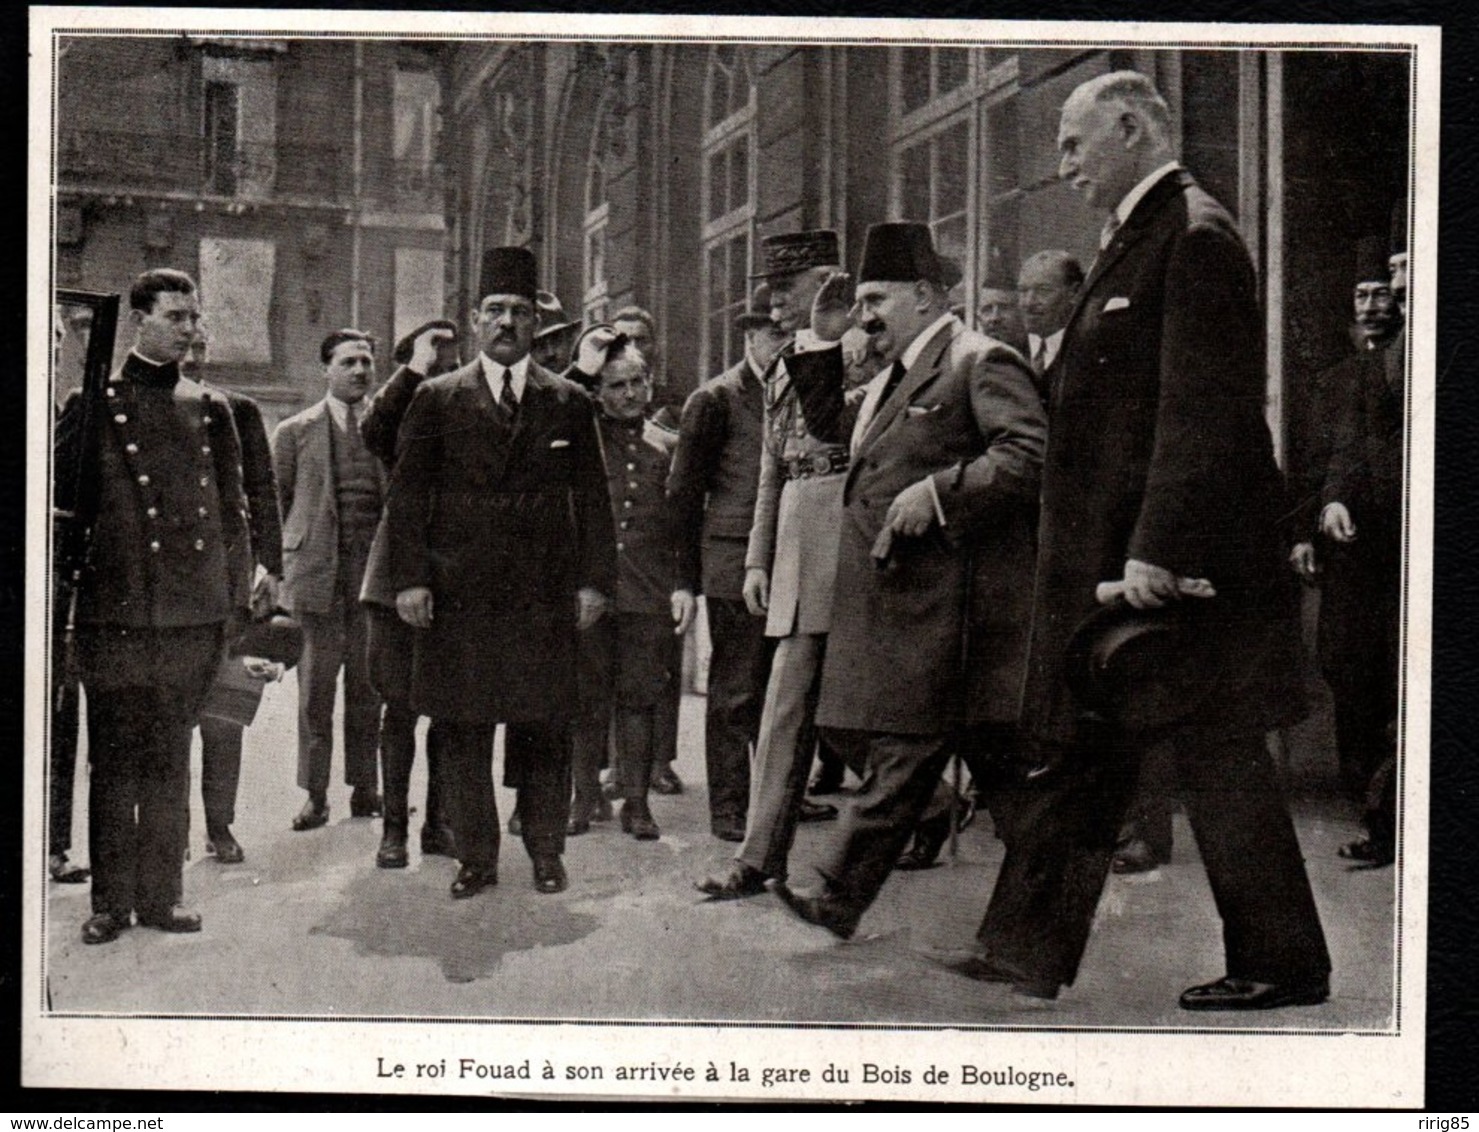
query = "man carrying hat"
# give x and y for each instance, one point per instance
(1160, 471)
(500, 550)
(936, 535)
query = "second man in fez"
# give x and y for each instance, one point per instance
(332, 489)
(934, 566)
(501, 549)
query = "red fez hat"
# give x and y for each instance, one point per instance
(508, 271)
(903, 252)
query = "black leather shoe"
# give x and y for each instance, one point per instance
(741, 881)
(929, 839)
(1229, 993)
(549, 875)
(973, 965)
(224, 847)
(437, 841)
(176, 919)
(1370, 852)
(1134, 856)
(515, 824)
(582, 811)
(666, 781)
(103, 928)
(728, 829)
(636, 819)
(823, 911)
(392, 852)
(816, 811)
(315, 813)
(471, 881)
(364, 803)
(64, 873)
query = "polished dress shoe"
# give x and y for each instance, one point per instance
(315, 813)
(929, 838)
(582, 811)
(1134, 856)
(824, 911)
(1231, 993)
(1369, 851)
(437, 841)
(739, 882)
(974, 965)
(175, 919)
(471, 881)
(103, 928)
(666, 781)
(549, 875)
(64, 873)
(636, 819)
(364, 803)
(728, 829)
(516, 824)
(816, 811)
(224, 847)
(392, 852)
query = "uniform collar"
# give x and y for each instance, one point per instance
(146, 371)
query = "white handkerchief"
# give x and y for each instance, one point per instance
(559, 444)
(1118, 303)
(920, 410)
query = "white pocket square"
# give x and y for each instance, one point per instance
(920, 410)
(1118, 303)
(559, 444)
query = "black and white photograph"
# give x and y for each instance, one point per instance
(729, 559)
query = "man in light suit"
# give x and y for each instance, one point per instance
(501, 549)
(1160, 476)
(936, 534)
(332, 489)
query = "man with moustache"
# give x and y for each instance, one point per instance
(936, 536)
(168, 573)
(1160, 476)
(332, 489)
(501, 550)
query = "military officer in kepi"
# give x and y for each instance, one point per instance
(169, 568)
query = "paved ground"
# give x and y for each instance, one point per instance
(308, 926)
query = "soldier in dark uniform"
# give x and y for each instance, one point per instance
(631, 657)
(168, 570)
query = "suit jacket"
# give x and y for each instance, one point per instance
(170, 547)
(379, 427)
(713, 480)
(303, 459)
(504, 521)
(1160, 452)
(258, 481)
(937, 637)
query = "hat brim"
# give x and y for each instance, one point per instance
(1139, 668)
(556, 329)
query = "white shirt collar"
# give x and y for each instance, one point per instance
(913, 350)
(493, 375)
(1049, 345)
(1137, 194)
(339, 410)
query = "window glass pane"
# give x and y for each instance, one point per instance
(719, 83)
(716, 345)
(740, 82)
(596, 259)
(914, 182)
(914, 77)
(737, 271)
(952, 65)
(950, 239)
(717, 275)
(952, 165)
(1003, 145)
(739, 172)
(718, 184)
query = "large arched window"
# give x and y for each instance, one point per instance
(728, 201)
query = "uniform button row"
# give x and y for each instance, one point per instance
(621, 546)
(131, 449)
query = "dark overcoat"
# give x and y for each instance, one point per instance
(504, 521)
(1159, 452)
(967, 414)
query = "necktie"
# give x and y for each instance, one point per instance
(506, 399)
(351, 427)
(1040, 357)
(895, 375)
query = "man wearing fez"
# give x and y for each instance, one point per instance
(712, 484)
(169, 570)
(936, 536)
(500, 550)
(427, 351)
(1355, 552)
(332, 490)
(1160, 477)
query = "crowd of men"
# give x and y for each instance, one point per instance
(1050, 548)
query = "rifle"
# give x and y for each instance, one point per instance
(77, 476)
